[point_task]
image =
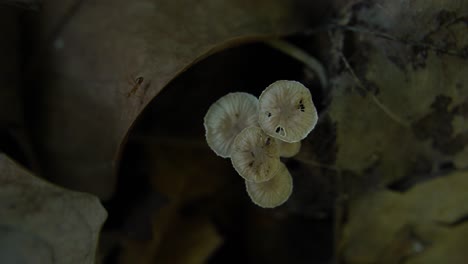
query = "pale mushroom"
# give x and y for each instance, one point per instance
(271, 193)
(255, 155)
(226, 118)
(288, 150)
(286, 111)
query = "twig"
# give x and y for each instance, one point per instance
(302, 56)
(384, 108)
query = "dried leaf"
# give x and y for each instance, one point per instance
(42, 223)
(88, 105)
(397, 96)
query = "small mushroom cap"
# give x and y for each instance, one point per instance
(288, 150)
(226, 118)
(255, 155)
(271, 193)
(286, 111)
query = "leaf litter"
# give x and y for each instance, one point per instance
(390, 145)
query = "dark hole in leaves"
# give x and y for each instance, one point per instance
(445, 166)
(113, 255)
(292, 164)
(12, 147)
(462, 220)
(406, 183)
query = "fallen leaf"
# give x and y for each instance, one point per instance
(43, 223)
(396, 96)
(86, 105)
(424, 223)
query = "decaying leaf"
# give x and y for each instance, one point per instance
(392, 124)
(399, 104)
(88, 102)
(397, 96)
(43, 223)
(423, 225)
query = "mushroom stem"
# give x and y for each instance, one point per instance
(289, 150)
(301, 56)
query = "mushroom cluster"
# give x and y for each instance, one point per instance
(255, 133)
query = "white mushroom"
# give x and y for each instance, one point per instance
(286, 111)
(271, 193)
(288, 150)
(226, 118)
(255, 155)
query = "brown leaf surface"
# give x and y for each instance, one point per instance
(43, 223)
(86, 106)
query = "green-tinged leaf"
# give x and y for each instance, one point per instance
(401, 95)
(424, 223)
